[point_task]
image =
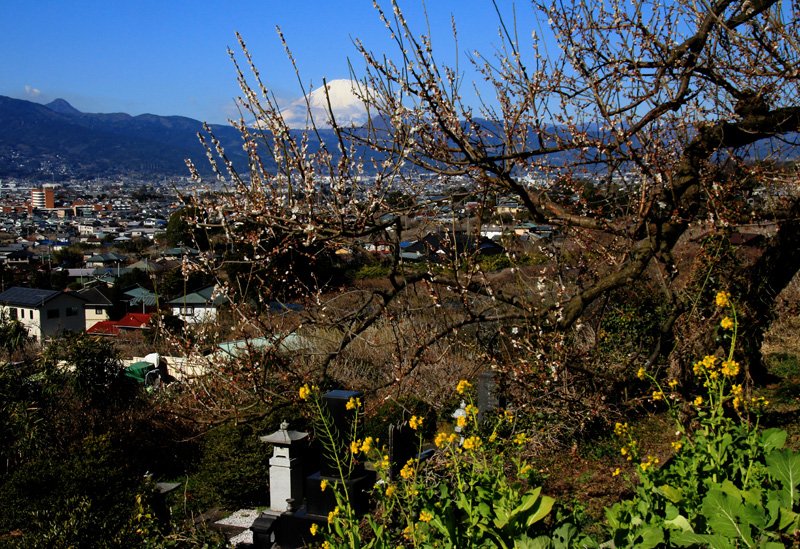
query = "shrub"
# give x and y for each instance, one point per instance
(233, 469)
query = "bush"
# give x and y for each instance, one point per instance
(74, 500)
(233, 470)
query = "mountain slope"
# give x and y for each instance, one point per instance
(58, 141)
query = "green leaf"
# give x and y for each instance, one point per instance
(545, 505)
(723, 514)
(773, 439)
(784, 465)
(651, 536)
(680, 523)
(690, 539)
(675, 495)
(484, 509)
(789, 520)
(540, 542)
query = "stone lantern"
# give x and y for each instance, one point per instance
(285, 474)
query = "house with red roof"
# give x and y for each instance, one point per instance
(130, 323)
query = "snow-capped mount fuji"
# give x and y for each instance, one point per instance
(346, 102)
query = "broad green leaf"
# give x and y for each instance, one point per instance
(784, 465)
(773, 439)
(545, 505)
(675, 495)
(690, 539)
(754, 515)
(731, 489)
(789, 520)
(651, 536)
(525, 542)
(679, 523)
(722, 512)
(484, 509)
(501, 517)
(753, 496)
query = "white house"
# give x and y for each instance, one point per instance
(45, 313)
(200, 306)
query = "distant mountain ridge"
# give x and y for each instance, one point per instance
(58, 141)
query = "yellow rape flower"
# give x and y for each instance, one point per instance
(390, 490)
(726, 323)
(323, 484)
(730, 368)
(461, 421)
(641, 373)
(471, 409)
(415, 422)
(314, 529)
(472, 443)
(723, 299)
(698, 401)
(620, 429)
(677, 445)
(353, 403)
(616, 472)
(408, 469)
(658, 395)
(672, 383)
(425, 516)
(366, 446)
(649, 462)
(440, 440)
(520, 439)
(355, 446)
(325, 545)
(333, 514)
(463, 386)
(305, 392)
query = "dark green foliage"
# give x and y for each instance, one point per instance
(233, 470)
(372, 271)
(68, 257)
(98, 373)
(630, 321)
(13, 336)
(173, 284)
(183, 231)
(76, 499)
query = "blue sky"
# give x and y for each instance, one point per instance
(169, 56)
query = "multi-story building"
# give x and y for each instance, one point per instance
(43, 198)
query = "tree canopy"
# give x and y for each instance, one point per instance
(676, 113)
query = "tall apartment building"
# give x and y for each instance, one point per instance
(44, 198)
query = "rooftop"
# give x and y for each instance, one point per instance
(27, 297)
